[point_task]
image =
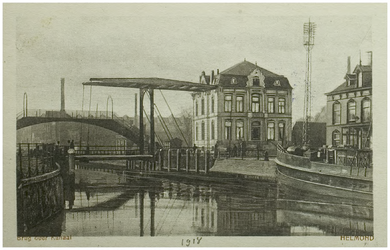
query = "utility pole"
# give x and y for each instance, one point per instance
(308, 42)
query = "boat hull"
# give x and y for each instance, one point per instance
(324, 184)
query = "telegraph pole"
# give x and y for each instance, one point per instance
(308, 42)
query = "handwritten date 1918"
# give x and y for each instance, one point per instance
(188, 242)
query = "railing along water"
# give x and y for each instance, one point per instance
(40, 191)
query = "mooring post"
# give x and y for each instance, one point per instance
(71, 159)
(159, 159)
(206, 161)
(28, 159)
(178, 159)
(197, 160)
(169, 160)
(187, 160)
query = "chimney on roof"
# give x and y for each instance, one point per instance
(62, 94)
(212, 77)
(349, 65)
(136, 110)
(369, 54)
(217, 71)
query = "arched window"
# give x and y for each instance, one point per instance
(202, 106)
(271, 131)
(228, 103)
(336, 113)
(281, 131)
(239, 104)
(255, 131)
(256, 81)
(228, 130)
(212, 130)
(282, 105)
(336, 138)
(255, 103)
(196, 132)
(212, 104)
(366, 110)
(271, 105)
(351, 111)
(239, 129)
(203, 131)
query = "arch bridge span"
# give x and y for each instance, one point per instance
(103, 119)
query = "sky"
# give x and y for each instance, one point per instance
(78, 42)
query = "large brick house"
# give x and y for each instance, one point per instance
(251, 105)
(349, 111)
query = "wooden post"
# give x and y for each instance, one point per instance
(151, 117)
(206, 161)
(169, 160)
(196, 160)
(71, 159)
(28, 160)
(178, 159)
(141, 121)
(187, 160)
(159, 159)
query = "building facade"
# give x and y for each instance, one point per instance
(349, 111)
(251, 106)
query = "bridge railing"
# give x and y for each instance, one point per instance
(34, 159)
(75, 114)
(188, 160)
(106, 150)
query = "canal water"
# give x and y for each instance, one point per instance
(120, 204)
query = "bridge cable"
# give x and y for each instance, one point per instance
(167, 133)
(163, 123)
(161, 142)
(161, 119)
(147, 117)
(174, 119)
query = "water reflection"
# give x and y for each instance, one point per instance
(150, 206)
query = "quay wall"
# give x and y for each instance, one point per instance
(39, 198)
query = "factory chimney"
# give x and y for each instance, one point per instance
(62, 94)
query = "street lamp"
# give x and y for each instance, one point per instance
(112, 107)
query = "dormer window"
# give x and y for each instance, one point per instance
(360, 80)
(234, 80)
(256, 82)
(277, 83)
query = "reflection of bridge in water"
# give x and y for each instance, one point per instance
(165, 207)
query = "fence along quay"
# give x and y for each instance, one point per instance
(44, 183)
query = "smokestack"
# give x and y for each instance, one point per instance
(136, 110)
(349, 65)
(62, 94)
(369, 54)
(217, 71)
(212, 77)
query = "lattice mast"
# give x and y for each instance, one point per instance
(308, 42)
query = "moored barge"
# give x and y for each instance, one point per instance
(350, 182)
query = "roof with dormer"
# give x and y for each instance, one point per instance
(242, 70)
(344, 87)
